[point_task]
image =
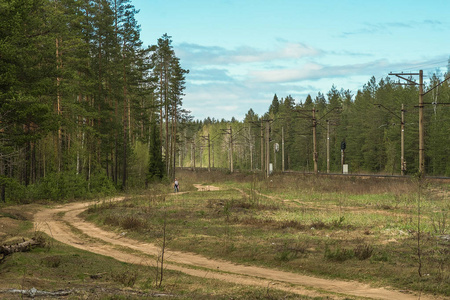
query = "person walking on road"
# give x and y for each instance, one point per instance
(176, 186)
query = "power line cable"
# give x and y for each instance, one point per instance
(428, 65)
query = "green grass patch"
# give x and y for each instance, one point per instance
(336, 228)
(84, 275)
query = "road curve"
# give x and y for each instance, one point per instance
(57, 223)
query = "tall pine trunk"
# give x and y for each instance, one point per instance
(125, 122)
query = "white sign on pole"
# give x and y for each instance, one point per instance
(345, 169)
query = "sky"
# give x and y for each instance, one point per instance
(240, 53)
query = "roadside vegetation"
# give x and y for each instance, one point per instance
(57, 269)
(332, 227)
(370, 230)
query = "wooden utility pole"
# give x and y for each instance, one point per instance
(209, 154)
(421, 130)
(282, 149)
(314, 140)
(251, 147)
(402, 135)
(421, 126)
(402, 142)
(267, 150)
(314, 125)
(264, 139)
(262, 147)
(231, 149)
(328, 146)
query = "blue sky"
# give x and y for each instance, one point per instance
(240, 53)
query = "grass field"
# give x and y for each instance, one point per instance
(386, 232)
(75, 274)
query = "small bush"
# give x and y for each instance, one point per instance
(318, 224)
(111, 220)
(52, 261)
(439, 221)
(292, 224)
(338, 255)
(363, 251)
(132, 222)
(285, 255)
(380, 256)
(338, 222)
(128, 277)
(289, 251)
(60, 186)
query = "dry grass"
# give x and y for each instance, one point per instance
(348, 228)
(84, 275)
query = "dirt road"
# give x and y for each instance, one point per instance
(56, 222)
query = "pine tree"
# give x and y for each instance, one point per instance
(274, 107)
(25, 108)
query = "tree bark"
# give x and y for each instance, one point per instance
(20, 247)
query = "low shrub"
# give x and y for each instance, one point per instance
(380, 256)
(289, 251)
(338, 254)
(52, 261)
(128, 277)
(363, 251)
(132, 222)
(61, 186)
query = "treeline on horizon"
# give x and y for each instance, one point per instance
(369, 123)
(86, 109)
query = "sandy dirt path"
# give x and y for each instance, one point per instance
(57, 223)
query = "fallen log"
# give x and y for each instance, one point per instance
(24, 246)
(33, 292)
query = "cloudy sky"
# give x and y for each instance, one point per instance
(242, 52)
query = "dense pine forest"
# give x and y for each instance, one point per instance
(81, 97)
(86, 109)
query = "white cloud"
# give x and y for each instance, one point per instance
(193, 54)
(286, 75)
(390, 28)
(315, 71)
(225, 83)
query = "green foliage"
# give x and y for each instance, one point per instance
(138, 163)
(61, 186)
(156, 170)
(14, 190)
(338, 254)
(100, 185)
(127, 277)
(369, 121)
(77, 90)
(363, 251)
(317, 225)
